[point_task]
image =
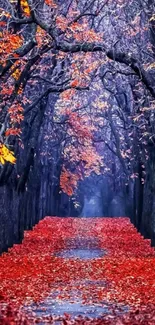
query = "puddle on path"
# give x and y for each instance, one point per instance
(81, 253)
(83, 249)
(59, 308)
(76, 308)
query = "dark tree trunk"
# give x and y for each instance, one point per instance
(148, 215)
(138, 197)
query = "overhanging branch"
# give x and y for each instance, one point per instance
(114, 55)
(52, 90)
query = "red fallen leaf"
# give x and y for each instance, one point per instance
(29, 272)
(65, 322)
(38, 320)
(119, 322)
(1, 297)
(67, 316)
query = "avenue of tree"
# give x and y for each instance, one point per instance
(77, 104)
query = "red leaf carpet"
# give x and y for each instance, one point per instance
(121, 279)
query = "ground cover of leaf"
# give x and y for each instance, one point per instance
(30, 271)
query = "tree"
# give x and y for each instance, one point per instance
(92, 63)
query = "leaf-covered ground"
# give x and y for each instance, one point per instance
(114, 284)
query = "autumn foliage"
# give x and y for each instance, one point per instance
(6, 155)
(16, 72)
(31, 271)
(80, 55)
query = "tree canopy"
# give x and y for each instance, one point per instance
(96, 60)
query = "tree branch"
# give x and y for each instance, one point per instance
(113, 55)
(51, 90)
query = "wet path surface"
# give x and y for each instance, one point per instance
(83, 254)
(81, 248)
(80, 271)
(78, 248)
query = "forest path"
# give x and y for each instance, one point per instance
(79, 271)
